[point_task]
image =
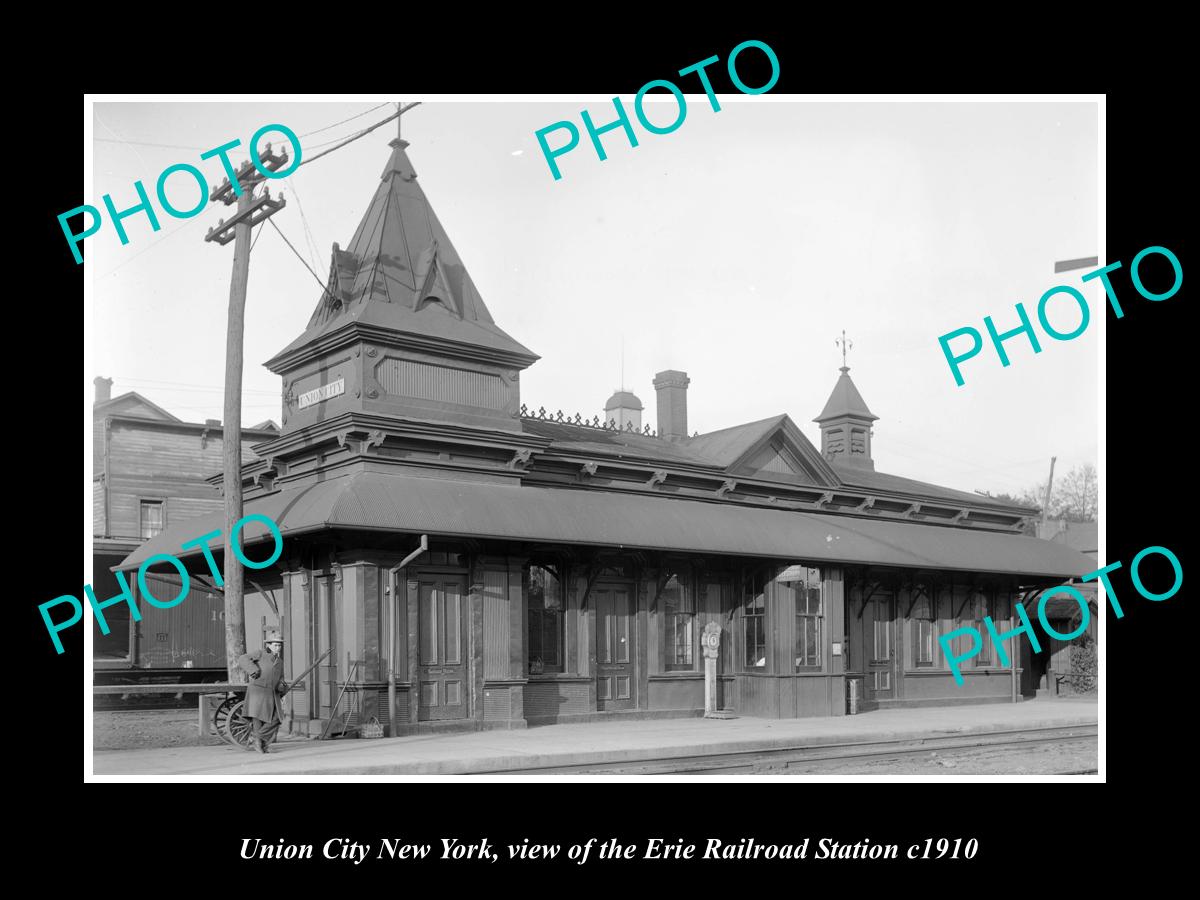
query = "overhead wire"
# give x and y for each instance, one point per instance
(959, 461)
(317, 279)
(308, 232)
(158, 388)
(354, 137)
(165, 237)
(147, 143)
(120, 140)
(962, 474)
(192, 384)
(362, 133)
(927, 454)
(149, 247)
(244, 406)
(344, 121)
(311, 241)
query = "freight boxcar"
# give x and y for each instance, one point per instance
(184, 644)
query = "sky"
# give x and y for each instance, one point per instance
(736, 248)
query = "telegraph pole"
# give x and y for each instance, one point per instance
(250, 211)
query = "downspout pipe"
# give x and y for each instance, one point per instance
(393, 644)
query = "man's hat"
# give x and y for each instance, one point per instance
(273, 634)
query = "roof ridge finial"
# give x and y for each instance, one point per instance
(398, 142)
(846, 345)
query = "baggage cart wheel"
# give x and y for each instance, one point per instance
(239, 727)
(221, 716)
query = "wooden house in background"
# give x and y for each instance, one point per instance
(148, 473)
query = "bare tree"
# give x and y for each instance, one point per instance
(1075, 497)
(1078, 495)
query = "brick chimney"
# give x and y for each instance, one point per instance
(671, 387)
(103, 389)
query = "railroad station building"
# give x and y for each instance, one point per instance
(569, 565)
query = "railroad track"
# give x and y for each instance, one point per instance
(779, 759)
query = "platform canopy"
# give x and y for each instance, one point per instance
(379, 501)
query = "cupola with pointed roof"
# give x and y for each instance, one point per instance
(400, 328)
(846, 425)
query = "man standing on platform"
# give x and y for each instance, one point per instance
(266, 686)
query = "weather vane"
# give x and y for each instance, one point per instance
(846, 345)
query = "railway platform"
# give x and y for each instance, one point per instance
(627, 746)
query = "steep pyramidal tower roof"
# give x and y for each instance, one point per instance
(846, 425)
(400, 329)
(845, 401)
(401, 272)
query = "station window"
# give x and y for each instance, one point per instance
(996, 603)
(883, 630)
(679, 616)
(809, 620)
(754, 628)
(1002, 611)
(152, 518)
(440, 558)
(924, 623)
(983, 607)
(543, 596)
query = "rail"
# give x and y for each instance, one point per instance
(777, 759)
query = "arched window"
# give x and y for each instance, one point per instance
(544, 602)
